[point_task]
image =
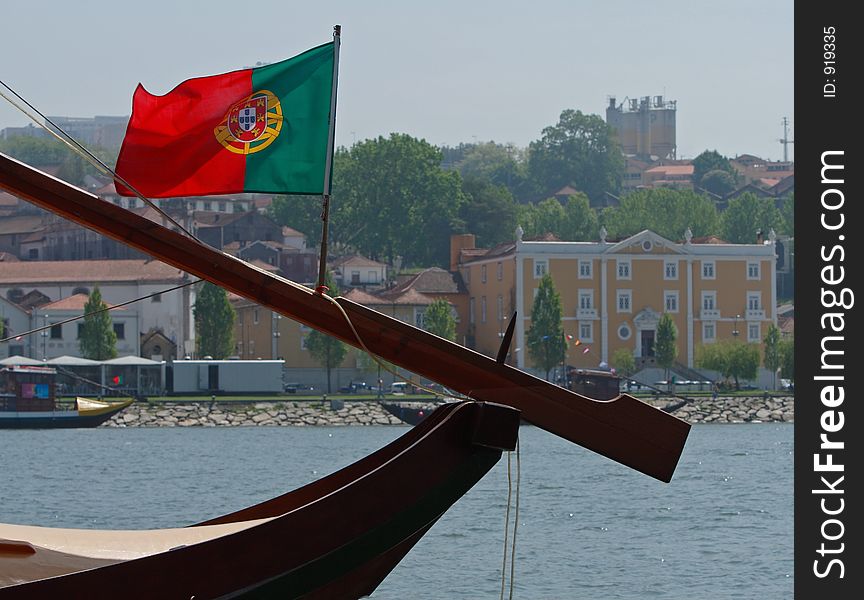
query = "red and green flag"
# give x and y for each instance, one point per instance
(265, 129)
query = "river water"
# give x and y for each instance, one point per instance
(588, 527)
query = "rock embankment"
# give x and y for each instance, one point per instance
(734, 409)
(755, 409)
(293, 414)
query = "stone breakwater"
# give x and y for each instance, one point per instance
(737, 409)
(755, 409)
(263, 414)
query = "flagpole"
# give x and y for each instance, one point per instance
(328, 165)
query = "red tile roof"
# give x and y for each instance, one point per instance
(87, 271)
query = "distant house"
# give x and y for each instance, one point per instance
(119, 281)
(63, 338)
(356, 270)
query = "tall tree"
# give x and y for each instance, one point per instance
(787, 212)
(97, 340)
(498, 164)
(773, 358)
(214, 322)
(398, 201)
(665, 345)
(438, 319)
(580, 151)
(731, 358)
(545, 337)
(787, 354)
(327, 351)
(748, 214)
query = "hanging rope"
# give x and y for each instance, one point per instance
(96, 312)
(79, 149)
(506, 525)
(515, 519)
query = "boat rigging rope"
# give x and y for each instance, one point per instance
(79, 149)
(507, 521)
(376, 358)
(95, 312)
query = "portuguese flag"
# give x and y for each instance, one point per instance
(256, 130)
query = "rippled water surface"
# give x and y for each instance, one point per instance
(588, 527)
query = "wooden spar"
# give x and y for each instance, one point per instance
(624, 429)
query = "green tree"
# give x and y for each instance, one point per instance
(545, 337)
(787, 212)
(580, 151)
(397, 200)
(718, 182)
(623, 362)
(745, 215)
(731, 358)
(787, 354)
(497, 164)
(97, 340)
(214, 322)
(438, 319)
(708, 161)
(665, 344)
(773, 358)
(664, 211)
(327, 351)
(489, 212)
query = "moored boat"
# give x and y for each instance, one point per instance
(28, 401)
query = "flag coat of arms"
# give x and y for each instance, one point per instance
(264, 129)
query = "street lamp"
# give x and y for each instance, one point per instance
(735, 326)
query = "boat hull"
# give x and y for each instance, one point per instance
(337, 537)
(95, 415)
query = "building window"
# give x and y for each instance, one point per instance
(80, 290)
(120, 330)
(483, 274)
(670, 270)
(709, 332)
(670, 301)
(753, 333)
(156, 298)
(753, 270)
(624, 298)
(78, 332)
(586, 299)
(471, 316)
(255, 316)
(373, 276)
(624, 332)
(500, 271)
(420, 318)
(500, 307)
(585, 269)
(56, 332)
(623, 269)
(709, 300)
(708, 269)
(586, 332)
(355, 277)
(754, 301)
(467, 275)
(303, 339)
(541, 267)
(33, 253)
(482, 309)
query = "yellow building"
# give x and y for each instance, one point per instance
(613, 293)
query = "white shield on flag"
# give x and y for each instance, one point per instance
(246, 118)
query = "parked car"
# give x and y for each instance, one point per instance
(355, 387)
(298, 388)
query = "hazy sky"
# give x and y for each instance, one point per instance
(446, 71)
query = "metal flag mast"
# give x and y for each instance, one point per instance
(328, 166)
